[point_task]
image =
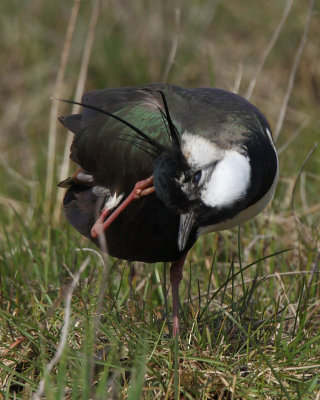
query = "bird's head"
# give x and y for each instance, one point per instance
(200, 180)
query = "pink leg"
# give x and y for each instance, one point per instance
(141, 189)
(175, 278)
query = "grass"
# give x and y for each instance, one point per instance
(252, 334)
(249, 297)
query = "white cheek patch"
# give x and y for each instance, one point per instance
(199, 151)
(229, 181)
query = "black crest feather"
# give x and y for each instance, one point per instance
(157, 147)
(173, 131)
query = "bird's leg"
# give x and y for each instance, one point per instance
(97, 228)
(141, 189)
(175, 279)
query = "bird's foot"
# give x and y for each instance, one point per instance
(141, 189)
(97, 228)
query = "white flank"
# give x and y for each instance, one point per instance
(229, 181)
(113, 201)
(269, 136)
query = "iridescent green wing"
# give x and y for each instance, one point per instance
(112, 152)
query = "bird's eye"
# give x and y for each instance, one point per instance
(197, 177)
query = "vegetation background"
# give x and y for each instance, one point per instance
(250, 309)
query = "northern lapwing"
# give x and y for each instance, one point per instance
(197, 160)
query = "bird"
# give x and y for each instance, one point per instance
(159, 165)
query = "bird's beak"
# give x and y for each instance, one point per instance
(186, 224)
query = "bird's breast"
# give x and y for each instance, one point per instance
(146, 231)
